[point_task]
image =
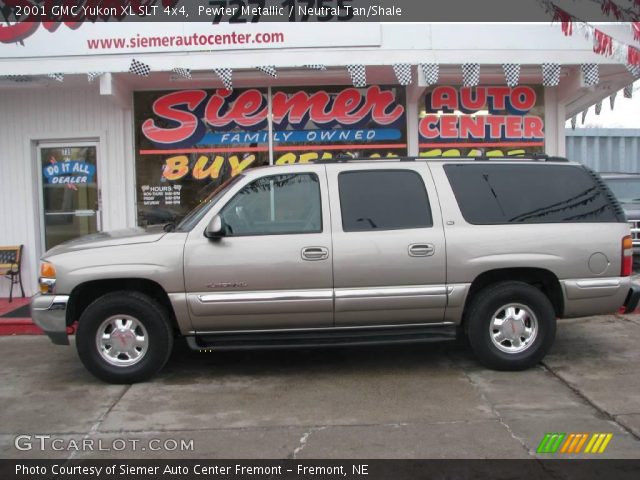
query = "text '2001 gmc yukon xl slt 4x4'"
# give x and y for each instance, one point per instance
(358, 252)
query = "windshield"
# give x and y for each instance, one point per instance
(626, 190)
(195, 215)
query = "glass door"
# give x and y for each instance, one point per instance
(70, 195)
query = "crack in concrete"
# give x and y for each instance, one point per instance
(497, 414)
(606, 415)
(94, 428)
(303, 441)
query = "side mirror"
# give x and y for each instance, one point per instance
(215, 228)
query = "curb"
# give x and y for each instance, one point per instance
(24, 326)
(18, 326)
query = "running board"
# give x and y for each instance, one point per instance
(324, 337)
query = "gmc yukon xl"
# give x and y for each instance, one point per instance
(350, 252)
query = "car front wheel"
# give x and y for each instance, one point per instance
(124, 337)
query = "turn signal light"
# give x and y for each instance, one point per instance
(47, 270)
(627, 256)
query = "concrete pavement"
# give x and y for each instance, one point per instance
(421, 401)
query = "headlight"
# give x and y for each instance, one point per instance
(47, 279)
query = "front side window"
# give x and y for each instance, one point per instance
(275, 205)
(383, 200)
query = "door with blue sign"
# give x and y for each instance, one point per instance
(70, 196)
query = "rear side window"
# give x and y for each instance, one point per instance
(383, 200)
(499, 194)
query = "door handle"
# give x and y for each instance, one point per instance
(421, 250)
(315, 253)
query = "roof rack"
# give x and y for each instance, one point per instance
(366, 159)
(536, 157)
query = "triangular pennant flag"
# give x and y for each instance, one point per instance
(551, 74)
(511, 73)
(139, 68)
(225, 75)
(628, 91)
(358, 75)
(316, 66)
(573, 122)
(183, 72)
(269, 70)
(403, 73)
(430, 72)
(58, 77)
(470, 74)
(584, 115)
(634, 70)
(598, 107)
(91, 76)
(590, 74)
(18, 78)
(612, 99)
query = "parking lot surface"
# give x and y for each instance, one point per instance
(418, 401)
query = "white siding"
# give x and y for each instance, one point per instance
(58, 114)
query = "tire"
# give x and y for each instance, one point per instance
(518, 304)
(147, 339)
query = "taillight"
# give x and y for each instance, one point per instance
(627, 256)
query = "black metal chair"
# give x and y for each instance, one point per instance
(10, 267)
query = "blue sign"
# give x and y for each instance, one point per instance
(302, 136)
(76, 171)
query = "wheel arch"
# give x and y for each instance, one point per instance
(544, 280)
(85, 293)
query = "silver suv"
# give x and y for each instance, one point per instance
(350, 252)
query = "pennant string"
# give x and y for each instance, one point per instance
(620, 13)
(604, 44)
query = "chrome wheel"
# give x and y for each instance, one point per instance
(513, 328)
(122, 340)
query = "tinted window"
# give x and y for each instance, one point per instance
(383, 200)
(494, 194)
(275, 205)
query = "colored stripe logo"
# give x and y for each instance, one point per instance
(573, 443)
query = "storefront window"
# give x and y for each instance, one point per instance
(190, 141)
(494, 121)
(331, 122)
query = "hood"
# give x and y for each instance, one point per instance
(632, 210)
(109, 239)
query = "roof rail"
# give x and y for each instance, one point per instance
(548, 158)
(536, 157)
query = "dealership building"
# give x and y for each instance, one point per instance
(118, 125)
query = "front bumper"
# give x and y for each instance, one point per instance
(49, 313)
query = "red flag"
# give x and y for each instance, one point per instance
(608, 7)
(603, 43)
(565, 18)
(635, 27)
(633, 56)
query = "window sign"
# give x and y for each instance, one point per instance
(486, 120)
(190, 141)
(323, 123)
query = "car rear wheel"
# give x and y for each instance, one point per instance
(510, 325)
(124, 337)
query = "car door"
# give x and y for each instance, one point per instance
(388, 244)
(273, 267)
